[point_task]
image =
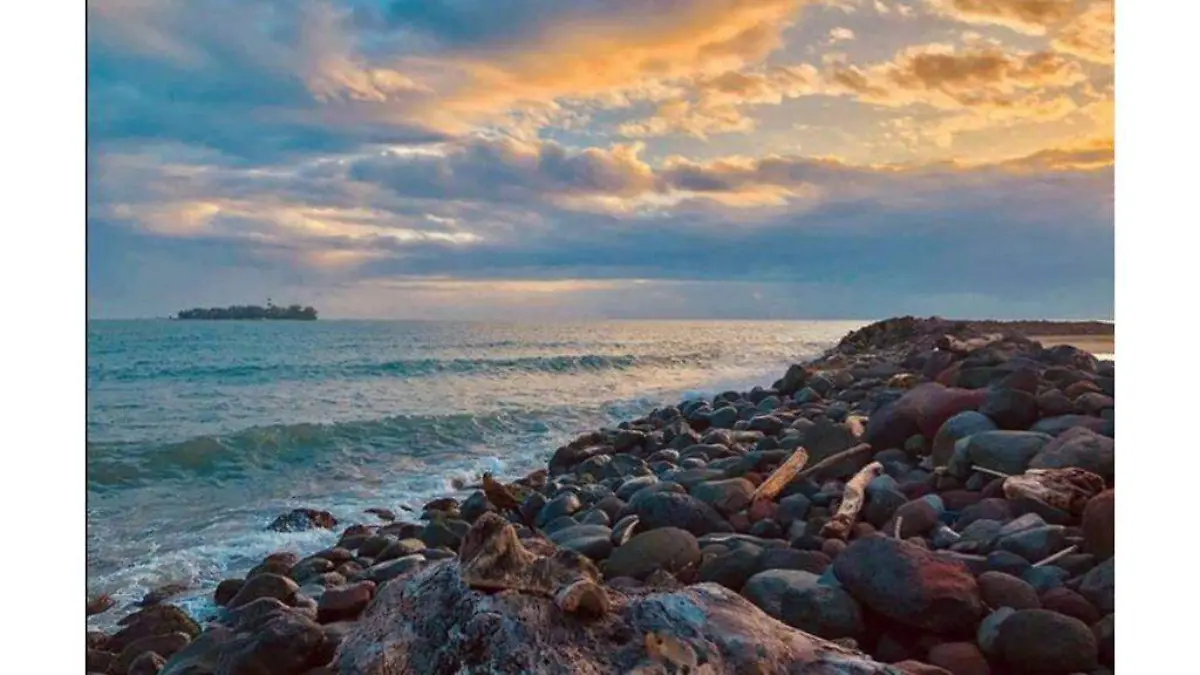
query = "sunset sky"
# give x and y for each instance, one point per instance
(602, 158)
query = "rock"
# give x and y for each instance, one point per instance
(1082, 448)
(523, 633)
(148, 663)
(822, 608)
(631, 486)
(732, 569)
(668, 548)
(1105, 632)
(308, 568)
(399, 549)
(226, 590)
(1053, 403)
(959, 658)
(922, 410)
(726, 496)
(1044, 578)
(671, 509)
(911, 585)
(299, 520)
(911, 667)
(568, 456)
(978, 537)
(624, 530)
(792, 508)
(1004, 590)
(265, 586)
(793, 380)
(767, 529)
(1010, 408)
(156, 620)
(985, 509)
(1068, 602)
(825, 438)
(1008, 452)
(1034, 544)
(920, 516)
(289, 643)
(1007, 562)
(1099, 524)
(1040, 641)
(163, 645)
(1056, 426)
(252, 614)
(99, 661)
(1098, 585)
(560, 523)
(767, 588)
(792, 559)
(392, 569)
(882, 505)
(558, 507)
(989, 630)
(475, 506)
(161, 593)
(446, 533)
(347, 602)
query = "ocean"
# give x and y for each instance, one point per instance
(200, 433)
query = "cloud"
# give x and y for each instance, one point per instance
(841, 34)
(1032, 17)
(1089, 35)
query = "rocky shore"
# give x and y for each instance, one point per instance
(927, 497)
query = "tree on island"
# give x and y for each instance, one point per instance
(250, 312)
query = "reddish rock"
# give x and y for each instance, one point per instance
(911, 585)
(347, 602)
(959, 658)
(1080, 388)
(303, 519)
(1099, 525)
(922, 410)
(149, 663)
(833, 547)
(1065, 601)
(762, 509)
(919, 518)
(1053, 402)
(265, 586)
(911, 667)
(862, 530)
(155, 620)
(163, 645)
(740, 522)
(957, 500)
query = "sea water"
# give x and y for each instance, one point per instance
(200, 433)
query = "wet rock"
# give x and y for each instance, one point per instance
(1098, 585)
(671, 509)
(159, 619)
(911, 585)
(308, 568)
(161, 593)
(1099, 524)
(1023, 643)
(475, 506)
(668, 548)
(1082, 448)
(163, 645)
(289, 643)
(392, 569)
(726, 496)
(226, 590)
(299, 520)
(265, 586)
(1010, 408)
(147, 663)
(339, 604)
(1004, 590)
(447, 533)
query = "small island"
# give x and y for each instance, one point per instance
(249, 312)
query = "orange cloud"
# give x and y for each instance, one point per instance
(1033, 17)
(1089, 35)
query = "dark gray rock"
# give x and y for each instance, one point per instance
(1035, 543)
(1010, 408)
(733, 568)
(668, 548)
(1023, 643)
(767, 588)
(1082, 448)
(824, 609)
(726, 496)
(1098, 585)
(565, 505)
(1006, 451)
(671, 509)
(1004, 590)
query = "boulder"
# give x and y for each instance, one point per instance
(158, 619)
(910, 584)
(825, 438)
(1035, 543)
(672, 509)
(726, 496)
(299, 520)
(265, 586)
(959, 658)
(226, 590)
(822, 608)
(148, 663)
(1082, 448)
(347, 602)
(1056, 426)
(733, 568)
(1005, 451)
(525, 633)
(1004, 590)
(922, 410)
(163, 645)
(1038, 641)
(668, 548)
(1010, 408)
(1099, 524)
(1066, 601)
(766, 589)
(989, 630)
(792, 559)
(1098, 585)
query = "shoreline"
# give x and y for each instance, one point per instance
(865, 379)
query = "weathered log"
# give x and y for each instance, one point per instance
(1065, 489)
(781, 476)
(853, 497)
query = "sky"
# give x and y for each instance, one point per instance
(556, 159)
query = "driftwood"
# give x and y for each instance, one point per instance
(781, 476)
(1057, 556)
(1065, 489)
(863, 449)
(949, 343)
(842, 522)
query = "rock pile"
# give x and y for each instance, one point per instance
(971, 474)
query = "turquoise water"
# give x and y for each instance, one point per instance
(199, 433)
